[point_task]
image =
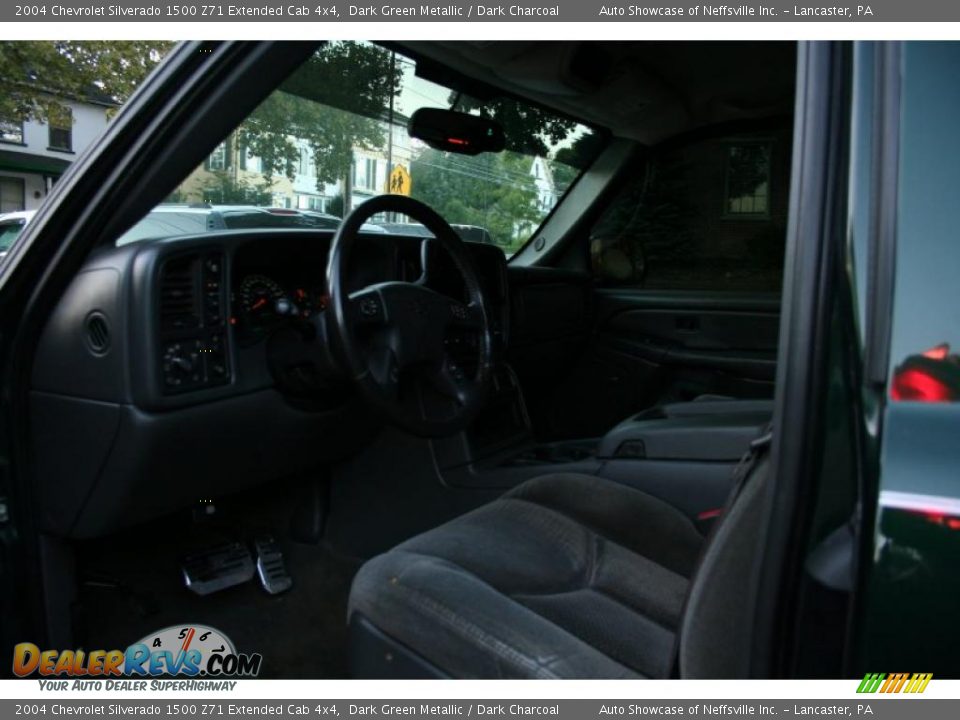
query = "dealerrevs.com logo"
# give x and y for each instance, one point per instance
(178, 650)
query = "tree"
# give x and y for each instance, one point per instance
(491, 190)
(333, 104)
(527, 127)
(335, 206)
(569, 161)
(36, 75)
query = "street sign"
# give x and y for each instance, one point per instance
(399, 181)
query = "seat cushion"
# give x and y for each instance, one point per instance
(565, 576)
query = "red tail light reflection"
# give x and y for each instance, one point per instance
(931, 376)
(938, 518)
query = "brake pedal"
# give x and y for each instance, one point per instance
(270, 566)
(217, 568)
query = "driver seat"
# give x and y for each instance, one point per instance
(565, 576)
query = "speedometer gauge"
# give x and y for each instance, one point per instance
(259, 295)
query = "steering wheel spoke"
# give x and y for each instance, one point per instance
(396, 333)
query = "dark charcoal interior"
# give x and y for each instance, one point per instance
(578, 499)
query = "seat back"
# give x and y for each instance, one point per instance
(716, 630)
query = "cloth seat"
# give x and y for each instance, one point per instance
(565, 576)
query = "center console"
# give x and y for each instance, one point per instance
(683, 453)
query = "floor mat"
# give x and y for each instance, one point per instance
(130, 589)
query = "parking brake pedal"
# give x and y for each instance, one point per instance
(270, 566)
(217, 568)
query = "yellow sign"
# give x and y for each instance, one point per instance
(399, 181)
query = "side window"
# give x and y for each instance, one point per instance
(705, 215)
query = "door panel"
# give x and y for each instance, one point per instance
(699, 343)
(645, 348)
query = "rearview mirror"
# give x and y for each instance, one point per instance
(456, 132)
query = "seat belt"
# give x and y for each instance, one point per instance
(758, 448)
(706, 520)
(741, 473)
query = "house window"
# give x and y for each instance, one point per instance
(309, 202)
(60, 126)
(11, 131)
(306, 166)
(365, 174)
(698, 216)
(217, 160)
(246, 160)
(254, 164)
(748, 180)
(11, 194)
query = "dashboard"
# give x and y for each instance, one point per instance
(153, 385)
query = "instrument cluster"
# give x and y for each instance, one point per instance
(262, 302)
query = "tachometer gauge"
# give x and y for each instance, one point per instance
(259, 295)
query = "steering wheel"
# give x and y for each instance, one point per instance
(395, 338)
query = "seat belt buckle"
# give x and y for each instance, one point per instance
(706, 519)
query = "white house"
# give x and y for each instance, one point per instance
(547, 193)
(34, 154)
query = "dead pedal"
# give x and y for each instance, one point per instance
(271, 569)
(217, 568)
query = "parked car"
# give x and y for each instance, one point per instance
(468, 233)
(368, 459)
(406, 228)
(331, 222)
(11, 225)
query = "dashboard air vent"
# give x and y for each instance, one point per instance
(178, 294)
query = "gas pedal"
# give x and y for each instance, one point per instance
(217, 568)
(271, 569)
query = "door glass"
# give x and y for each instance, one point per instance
(704, 215)
(925, 341)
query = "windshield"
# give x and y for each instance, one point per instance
(335, 134)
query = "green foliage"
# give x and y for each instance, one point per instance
(224, 189)
(334, 104)
(35, 73)
(335, 206)
(527, 127)
(493, 191)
